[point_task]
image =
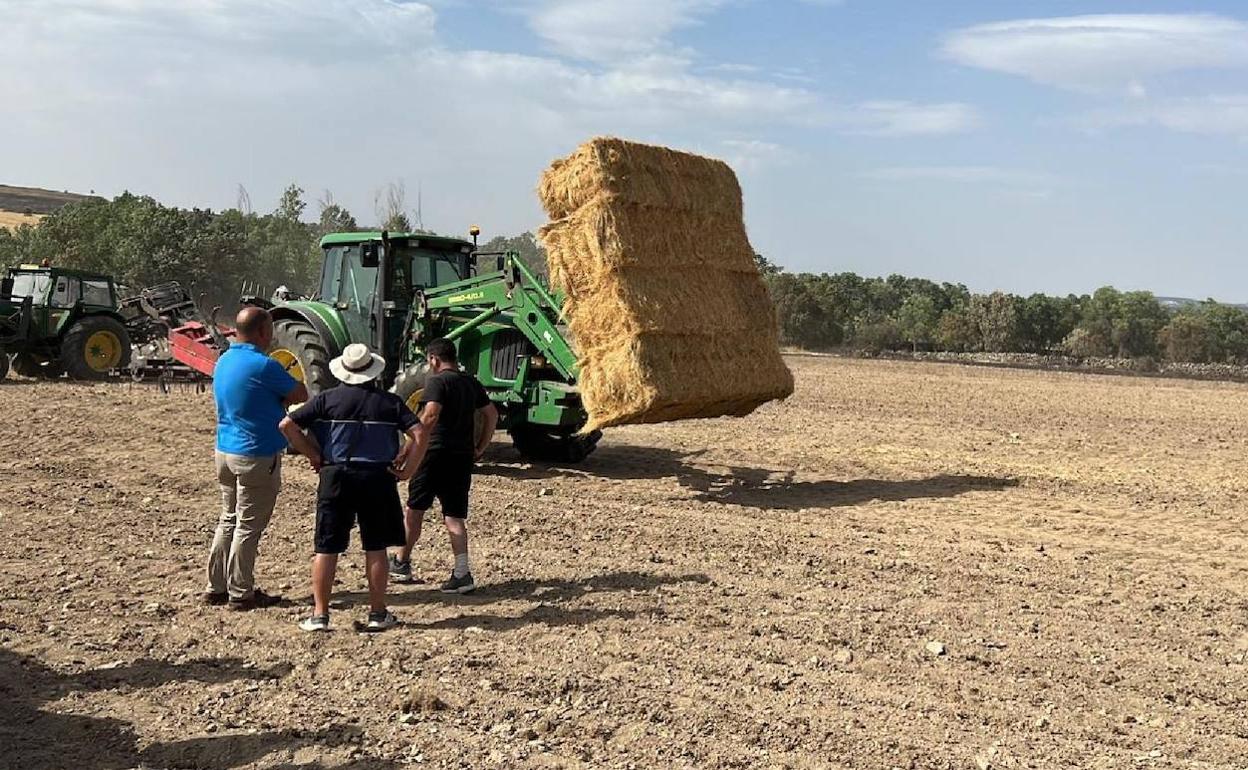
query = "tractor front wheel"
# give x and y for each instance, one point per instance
(410, 385)
(299, 348)
(93, 347)
(26, 365)
(538, 443)
(4, 365)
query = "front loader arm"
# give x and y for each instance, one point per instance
(511, 290)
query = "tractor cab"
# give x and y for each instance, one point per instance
(69, 322)
(375, 280)
(58, 295)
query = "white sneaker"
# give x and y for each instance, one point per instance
(314, 623)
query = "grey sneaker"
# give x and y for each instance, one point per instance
(459, 585)
(380, 621)
(315, 623)
(400, 571)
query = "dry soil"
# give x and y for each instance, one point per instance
(904, 565)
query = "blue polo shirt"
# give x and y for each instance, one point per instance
(249, 388)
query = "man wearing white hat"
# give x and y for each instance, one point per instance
(357, 452)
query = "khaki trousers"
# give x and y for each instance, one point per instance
(249, 487)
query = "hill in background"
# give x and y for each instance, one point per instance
(27, 205)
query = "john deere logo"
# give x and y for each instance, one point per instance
(476, 295)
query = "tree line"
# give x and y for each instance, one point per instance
(844, 310)
(142, 242)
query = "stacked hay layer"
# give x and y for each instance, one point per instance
(668, 312)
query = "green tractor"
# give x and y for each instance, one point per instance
(54, 321)
(396, 292)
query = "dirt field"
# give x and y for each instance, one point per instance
(904, 565)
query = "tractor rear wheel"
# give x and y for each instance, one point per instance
(299, 348)
(93, 347)
(539, 443)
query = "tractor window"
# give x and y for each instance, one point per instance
(34, 285)
(358, 283)
(97, 293)
(355, 294)
(66, 293)
(332, 273)
(429, 270)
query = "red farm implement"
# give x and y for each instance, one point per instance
(173, 339)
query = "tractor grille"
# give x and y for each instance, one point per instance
(506, 349)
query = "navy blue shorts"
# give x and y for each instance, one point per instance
(367, 495)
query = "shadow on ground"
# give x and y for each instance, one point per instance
(549, 596)
(762, 488)
(42, 739)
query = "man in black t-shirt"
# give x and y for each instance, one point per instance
(451, 401)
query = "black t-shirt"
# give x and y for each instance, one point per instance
(460, 395)
(356, 423)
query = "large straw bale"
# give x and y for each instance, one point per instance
(668, 312)
(639, 173)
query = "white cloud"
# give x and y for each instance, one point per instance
(614, 30)
(753, 154)
(186, 100)
(961, 174)
(999, 180)
(1214, 114)
(1102, 51)
(902, 118)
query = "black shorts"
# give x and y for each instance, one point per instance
(445, 477)
(347, 494)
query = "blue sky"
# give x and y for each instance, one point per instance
(1027, 146)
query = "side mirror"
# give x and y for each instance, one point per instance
(370, 255)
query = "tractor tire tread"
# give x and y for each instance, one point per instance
(315, 357)
(72, 358)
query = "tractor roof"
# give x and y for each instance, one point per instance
(436, 241)
(84, 274)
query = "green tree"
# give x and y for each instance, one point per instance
(1042, 323)
(802, 314)
(957, 330)
(1228, 332)
(1187, 338)
(334, 218)
(996, 316)
(917, 319)
(1097, 317)
(525, 244)
(292, 205)
(765, 266)
(1136, 324)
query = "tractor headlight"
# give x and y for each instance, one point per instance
(537, 362)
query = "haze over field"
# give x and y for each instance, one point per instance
(965, 141)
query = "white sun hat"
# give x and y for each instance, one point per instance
(357, 365)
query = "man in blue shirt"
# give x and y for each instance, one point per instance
(355, 447)
(251, 391)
